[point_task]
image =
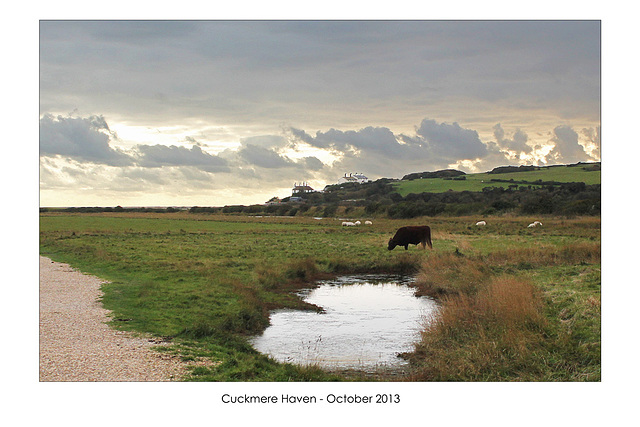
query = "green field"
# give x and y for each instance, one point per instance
(477, 181)
(205, 282)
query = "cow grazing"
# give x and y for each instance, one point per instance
(481, 223)
(411, 235)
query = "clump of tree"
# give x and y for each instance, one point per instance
(445, 173)
(510, 169)
(569, 199)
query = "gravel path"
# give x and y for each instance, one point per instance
(77, 345)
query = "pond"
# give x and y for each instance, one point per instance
(367, 321)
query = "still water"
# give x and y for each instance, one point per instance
(367, 321)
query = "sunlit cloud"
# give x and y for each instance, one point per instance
(210, 112)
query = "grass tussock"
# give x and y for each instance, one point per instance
(450, 274)
(484, 336)
(493, 326)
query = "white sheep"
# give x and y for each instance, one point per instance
(368, 223)
(358, 223)
(348, 224)
(481, 223)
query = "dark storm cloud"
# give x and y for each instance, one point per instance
(85, 139)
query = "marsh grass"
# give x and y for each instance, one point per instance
(208, 281)
(482, 337)
(495, 324)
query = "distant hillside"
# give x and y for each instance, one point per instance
(531, 190)
(504, 176)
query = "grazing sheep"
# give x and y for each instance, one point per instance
(348, 224)
(481, 223)
(358, 223)
(368, 223)
(537, 222)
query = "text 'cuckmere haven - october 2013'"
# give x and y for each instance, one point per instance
(330, 398)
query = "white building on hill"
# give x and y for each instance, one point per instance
(353, 177)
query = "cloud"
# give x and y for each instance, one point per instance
(153, 156)
(264, 157)
(450, 141)
(517, 143)
(312, 163)
(320, 74)
(592, 137)
(382, 153)
(86, 139)
(566, 147)
(89, 140)
(266, 141)
(369, 141)
(496, 156)
(380, 140)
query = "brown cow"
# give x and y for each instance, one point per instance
(411, 235)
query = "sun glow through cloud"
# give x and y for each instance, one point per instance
(210, 112)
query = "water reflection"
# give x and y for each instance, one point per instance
(367, 321)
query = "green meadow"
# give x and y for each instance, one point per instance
(206, 282)
(478, 181)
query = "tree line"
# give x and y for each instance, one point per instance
(380, 199)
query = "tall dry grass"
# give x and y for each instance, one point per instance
(447, 274)
(488, 335)
(490, 326)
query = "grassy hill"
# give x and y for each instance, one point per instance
(567, 190)
(587, 173)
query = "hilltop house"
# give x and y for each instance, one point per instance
(353, 177)
(300, 188)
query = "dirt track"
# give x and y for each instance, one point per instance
(76, 344)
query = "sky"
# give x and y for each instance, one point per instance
(222, 112)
